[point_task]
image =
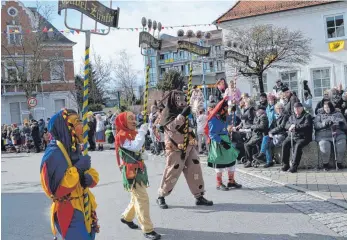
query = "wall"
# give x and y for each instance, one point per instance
(311, 22)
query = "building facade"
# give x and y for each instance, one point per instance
(34, 50)
(208, 69)
(322, 21)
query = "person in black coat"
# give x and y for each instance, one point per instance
(35, 134)
(260, 129)
(291, 99)
(263, 100)
(307, 88)
(299, 127)
(247, 115)
(91, 133)
(276, 136)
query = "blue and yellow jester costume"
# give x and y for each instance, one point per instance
(64, 175)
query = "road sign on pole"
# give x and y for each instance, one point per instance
(32, 102)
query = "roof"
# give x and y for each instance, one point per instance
(51, 37)
(244, 9)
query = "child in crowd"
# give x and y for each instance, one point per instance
(100, 132)
(46, 138)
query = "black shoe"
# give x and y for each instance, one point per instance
(161, 202)
(285, 167)
(201, 152)
(234, 185)
(248, 164)
(222, 188)
(326, 167)
(152, 235)
(339, 166)
(131, 224)
(259, 155)
(293, 169)
(267, 165)
(201, 201)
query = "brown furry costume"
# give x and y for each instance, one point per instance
(173, 123)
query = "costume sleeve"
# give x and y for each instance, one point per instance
(136, 144)
(213, 130)
(95, 176)
(179, 121)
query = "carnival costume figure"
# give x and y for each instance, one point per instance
(129, 144)
(222, 154)
(173, 122)
(66, 177)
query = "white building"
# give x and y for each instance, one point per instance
(322, 21)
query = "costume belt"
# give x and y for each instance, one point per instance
(64, 198)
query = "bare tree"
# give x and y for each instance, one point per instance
(25, 57)
(125, 76)
(267, 47)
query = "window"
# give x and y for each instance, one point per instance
(161, 57)
(162, 71)
(291, 80)
(211, 67)
(15, 70)
(220, 66)
(321, 81)
(218, 49)
(14, 35)
(265, 82)
(57, 71)
(335, 26)
(59, 104)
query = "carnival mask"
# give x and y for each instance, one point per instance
(180, 100)
(131, 121)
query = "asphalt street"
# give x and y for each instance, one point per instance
(244, 214)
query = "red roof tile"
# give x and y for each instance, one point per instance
(243, 9)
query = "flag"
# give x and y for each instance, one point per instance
(336, 46)
(45, 29)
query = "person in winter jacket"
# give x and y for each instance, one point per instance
(326, 98)
(16, 137)
(307, 88)
(290, 100)
(109, 135)
(35, 133)
(42, 126)
(91, 132)
(270, 110)
(299, 127)
(247, 115)
(330, 124)
(336, 99)
(275, 138)
(260, 129)
(277, 89)
(221, 86)
(100, 132)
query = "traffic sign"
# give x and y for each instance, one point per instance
(32, 102)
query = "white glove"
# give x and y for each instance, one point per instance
(144, 127)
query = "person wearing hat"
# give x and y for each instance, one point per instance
(289, 100)
(299, 127)
(260, 128)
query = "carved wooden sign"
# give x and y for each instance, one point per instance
(235, 55)
(93, 9)
(152, 42)
(194, 48)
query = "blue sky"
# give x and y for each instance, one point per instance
(169, 13)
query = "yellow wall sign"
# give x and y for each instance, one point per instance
(336, 46)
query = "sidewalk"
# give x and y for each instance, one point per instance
(330, 186)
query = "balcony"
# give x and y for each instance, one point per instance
(10, 89)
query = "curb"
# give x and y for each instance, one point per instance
(299, 189)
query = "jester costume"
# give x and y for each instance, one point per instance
(128, 146)
(173, 122)
(222, 154)
(66, 177)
